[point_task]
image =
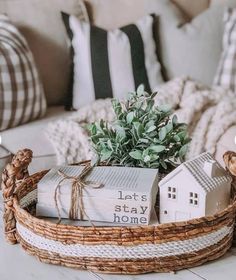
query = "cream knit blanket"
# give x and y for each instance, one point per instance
(208, 112)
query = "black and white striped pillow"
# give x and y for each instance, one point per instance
(21, 95)
(111, 63)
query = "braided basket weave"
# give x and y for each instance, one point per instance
(123, 250)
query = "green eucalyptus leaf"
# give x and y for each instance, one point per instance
(146, 152)
(162, 133)
(139, 128)
(105, 155)
(136, 154)
(149, 123)
(151, 128)
(91, 128)
(182, 135)
(152, 96)
(182, 126)
(130, 117)
(156, 141)
(131, 95)
(157, 148)
(138, 105)
(94, 160)
(166, 108)
(147, 158)
(187, 140)
(183, 150)
(150, 104)
(176, 138)
(154, 157)
(120, 131)
(153, 134)
(109, 144)
(140, 90)
(174, 119)
(169, 127)
(163, 164)
(143, 140)
(136, 125)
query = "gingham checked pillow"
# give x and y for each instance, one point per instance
(226, 72)
(21, 95)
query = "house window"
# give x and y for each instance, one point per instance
(171, 193)
(193, 198)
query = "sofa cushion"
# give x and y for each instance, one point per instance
(40, 22)
(32, 136)
(112, 63)
(193, 48)
(113, 14)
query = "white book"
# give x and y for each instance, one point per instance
(134, 187)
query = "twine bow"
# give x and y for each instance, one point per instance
(78, 184)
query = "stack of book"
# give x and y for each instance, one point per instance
(127, 194)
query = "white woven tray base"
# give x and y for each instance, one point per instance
(119, 251)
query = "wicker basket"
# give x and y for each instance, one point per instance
(123, 250)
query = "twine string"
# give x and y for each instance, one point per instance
(78, 184)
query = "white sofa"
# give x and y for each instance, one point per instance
(40, 23)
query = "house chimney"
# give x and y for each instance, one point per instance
(210, 167)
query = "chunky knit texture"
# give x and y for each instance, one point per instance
(209, 112)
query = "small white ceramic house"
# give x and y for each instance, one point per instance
(198, 187)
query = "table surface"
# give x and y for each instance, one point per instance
(17, 264)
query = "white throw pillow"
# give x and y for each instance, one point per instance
(111, 63)
(189, 48)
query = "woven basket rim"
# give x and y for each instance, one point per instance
(195, 221)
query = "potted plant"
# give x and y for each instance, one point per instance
(142, 135)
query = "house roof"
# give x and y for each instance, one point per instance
(195, 168)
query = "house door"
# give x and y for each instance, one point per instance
(182, 216)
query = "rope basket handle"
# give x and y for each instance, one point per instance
(12, 175)
(229, 158)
